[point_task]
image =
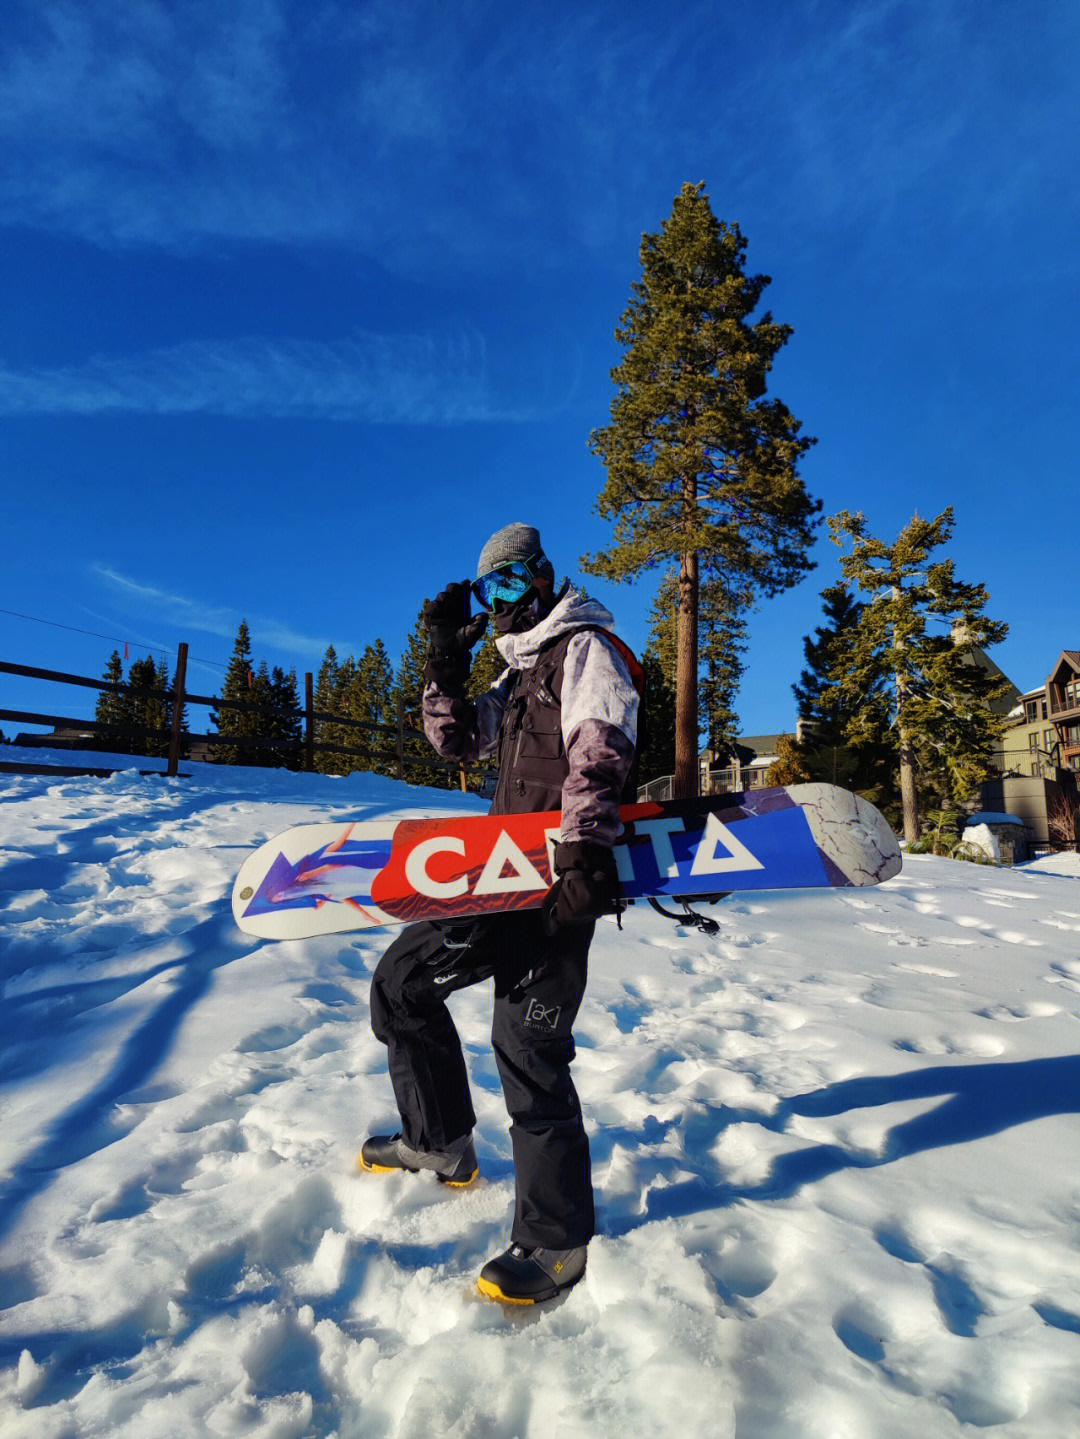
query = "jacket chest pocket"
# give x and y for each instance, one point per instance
(539, 734)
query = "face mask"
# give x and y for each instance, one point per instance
(515, 619)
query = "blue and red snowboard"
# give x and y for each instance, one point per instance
(328, 878)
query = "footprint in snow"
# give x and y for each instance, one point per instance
(1066, 974)
(1009, 1014)
(982, 1046)
(274, 1036)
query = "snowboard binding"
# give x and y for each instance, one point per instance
(690, 916)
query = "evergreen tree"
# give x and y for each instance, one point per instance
(410, 672)
(487, 665)
(113, 706)
(238, 726)
(825, 751)
(702, 467)
(372, 700)
(789, 766)
(342, 736)
(656, 727)
(286, 726)
(325, 691)
(148, 707)
(420, 758)
(409, 694)
(941, 698)
(722, 630)
(264, 725)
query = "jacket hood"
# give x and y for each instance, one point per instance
(576, 608)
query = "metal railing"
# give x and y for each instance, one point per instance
(1029, 763)
(714, 781)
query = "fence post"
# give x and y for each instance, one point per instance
(178, 708)
(309, 723)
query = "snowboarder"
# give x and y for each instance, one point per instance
(562, 724)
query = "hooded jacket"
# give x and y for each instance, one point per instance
(597, 709)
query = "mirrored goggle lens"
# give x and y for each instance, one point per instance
(508, 583)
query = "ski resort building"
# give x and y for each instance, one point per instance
(1039, 755)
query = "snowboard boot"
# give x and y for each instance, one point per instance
(385, 1153)
(529, 1276)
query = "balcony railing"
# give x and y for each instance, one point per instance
(1029, 763)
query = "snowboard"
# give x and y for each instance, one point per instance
(347, 875)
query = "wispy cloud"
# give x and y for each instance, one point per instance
(379, 379)
(456, 135)
(417, 132)
(219, 620)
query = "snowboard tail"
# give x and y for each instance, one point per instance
(331, 878)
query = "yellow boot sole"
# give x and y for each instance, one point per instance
(361, 1164)
(492, 1291)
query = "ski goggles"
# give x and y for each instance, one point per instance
(508, 583)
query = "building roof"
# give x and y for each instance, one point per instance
(1068, 659)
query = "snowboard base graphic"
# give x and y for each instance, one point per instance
(330, 878)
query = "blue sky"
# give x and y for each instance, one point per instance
(302, 300)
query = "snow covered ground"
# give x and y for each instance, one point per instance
(836, 1154)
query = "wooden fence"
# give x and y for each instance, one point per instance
(178, 696)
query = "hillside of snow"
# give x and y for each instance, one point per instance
(836, 1155)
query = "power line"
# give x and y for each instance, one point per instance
(115, 639)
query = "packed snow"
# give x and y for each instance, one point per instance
(835, 1155)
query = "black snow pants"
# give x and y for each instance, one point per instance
(539, 984)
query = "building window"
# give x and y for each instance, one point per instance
(1033, 739)
(1031, 710)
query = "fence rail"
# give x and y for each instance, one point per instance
(177, 696)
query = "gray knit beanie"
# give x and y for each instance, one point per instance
(515, 542)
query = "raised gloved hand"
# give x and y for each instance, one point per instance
(451, 635)
(587, 885)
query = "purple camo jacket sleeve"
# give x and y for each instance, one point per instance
(464, 730)
(600, 756)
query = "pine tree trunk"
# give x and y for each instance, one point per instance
(908, 796)
(687, 779)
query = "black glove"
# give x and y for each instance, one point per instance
(451, 635)
(587, 885)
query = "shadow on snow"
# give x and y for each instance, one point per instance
(983, 1099)
(87, 1126)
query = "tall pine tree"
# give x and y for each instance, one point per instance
(701, 466)
(825, 751)
(656, 725)
(942, 699)
(721, 646)
(286, 727)
(408, 695)
(371, 700)
(237, 726)
(113, 706)
(325, 698)
(147, 706)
